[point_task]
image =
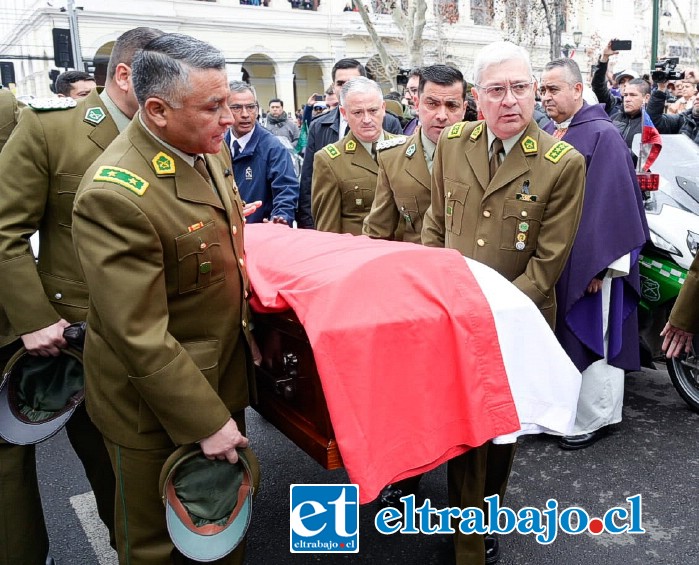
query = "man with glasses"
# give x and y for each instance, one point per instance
(262, 166)
(327, 129)
(411, 95)
(601, 275)
(509, 195)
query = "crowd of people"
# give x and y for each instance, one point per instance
(141, 220)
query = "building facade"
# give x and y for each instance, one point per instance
(286, 49)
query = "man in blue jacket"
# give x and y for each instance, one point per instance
(262, 166)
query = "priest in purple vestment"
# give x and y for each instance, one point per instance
(598, 291)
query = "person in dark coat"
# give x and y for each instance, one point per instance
(599, 289)
(329, 128)
(685, 122)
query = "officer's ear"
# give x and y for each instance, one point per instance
(122, 77)
(156, 111)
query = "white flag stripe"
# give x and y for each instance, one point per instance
(96, 532)
(545, 383)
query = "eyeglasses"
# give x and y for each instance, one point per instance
(497, 92)
(238, 108)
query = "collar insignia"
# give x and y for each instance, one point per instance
(163, 164)
(94, 115)
(529, 145)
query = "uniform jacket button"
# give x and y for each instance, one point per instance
(486, 213)
(480, 242)
(524, 213)
(58, 296)
(242, 262)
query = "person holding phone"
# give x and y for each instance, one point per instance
(612, 104)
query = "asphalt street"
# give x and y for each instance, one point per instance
(653, 452)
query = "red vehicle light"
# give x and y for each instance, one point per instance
(648, 181)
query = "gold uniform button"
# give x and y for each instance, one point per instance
(486, 213)
(242, 262)
(480, 243)
(235, 230)
(524, 213)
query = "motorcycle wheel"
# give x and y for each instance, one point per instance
(684, 373)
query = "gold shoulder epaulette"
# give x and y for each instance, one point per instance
(557, 151)
(49, 104)
(331, 150)
(456, 130)
(122, 177)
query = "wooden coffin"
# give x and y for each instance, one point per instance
(289, 393)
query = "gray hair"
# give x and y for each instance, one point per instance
(496, 53)
(240, 86)
(359, 84)
(162, 67)
(572, 71)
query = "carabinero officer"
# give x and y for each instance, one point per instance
(40, 169)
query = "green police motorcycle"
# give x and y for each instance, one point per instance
(672, 212)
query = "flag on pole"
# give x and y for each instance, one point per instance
(303, 138)
(651, 142)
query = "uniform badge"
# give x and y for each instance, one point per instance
(332, 151)
(122, 177)
(359, 202)
(391, 141)
(94, 115)
(557, 151)
(47, 104)
(522, 237)
(248, 173)
(476, 133)
(523, 227)
(350, 146)
(195, 227)
(410, 151)
(524, 194)
(163, 164)
(455, 130)
(520, 245)
(205, 267)
(529, 145)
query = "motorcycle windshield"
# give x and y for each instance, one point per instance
(678, 166)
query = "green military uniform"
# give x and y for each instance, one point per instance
(685, 312)
(522, 223)
(9, 114)
(344, 183)
(166, 359)
(41, 166)
(402, 191)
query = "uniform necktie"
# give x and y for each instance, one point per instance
(559, 133)
(200, 167)
(494, 163)
(373, 151)
(236, 148)
(347, 130)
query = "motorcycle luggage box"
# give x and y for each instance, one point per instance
(289, 392)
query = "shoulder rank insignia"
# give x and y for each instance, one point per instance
(163, 164)
(350, 146)
(557, 151)
(332, 151)
(529, 145)
(476, 133)
(455, 130)
(48, 104)
(122, 177)
(410, 151)
(94, 115)
(389, 142)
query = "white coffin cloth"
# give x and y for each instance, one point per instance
(545, 383)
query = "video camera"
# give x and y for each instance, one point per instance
(665, 70)
(402, 77)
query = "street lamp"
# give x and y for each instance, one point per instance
(577, 38)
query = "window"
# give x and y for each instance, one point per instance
(447, 10)
(482, 12)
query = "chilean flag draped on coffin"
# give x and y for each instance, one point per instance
(404, 342)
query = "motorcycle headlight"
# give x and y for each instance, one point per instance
(692, 242)
(664, 244)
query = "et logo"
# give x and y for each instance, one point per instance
(324, 519)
